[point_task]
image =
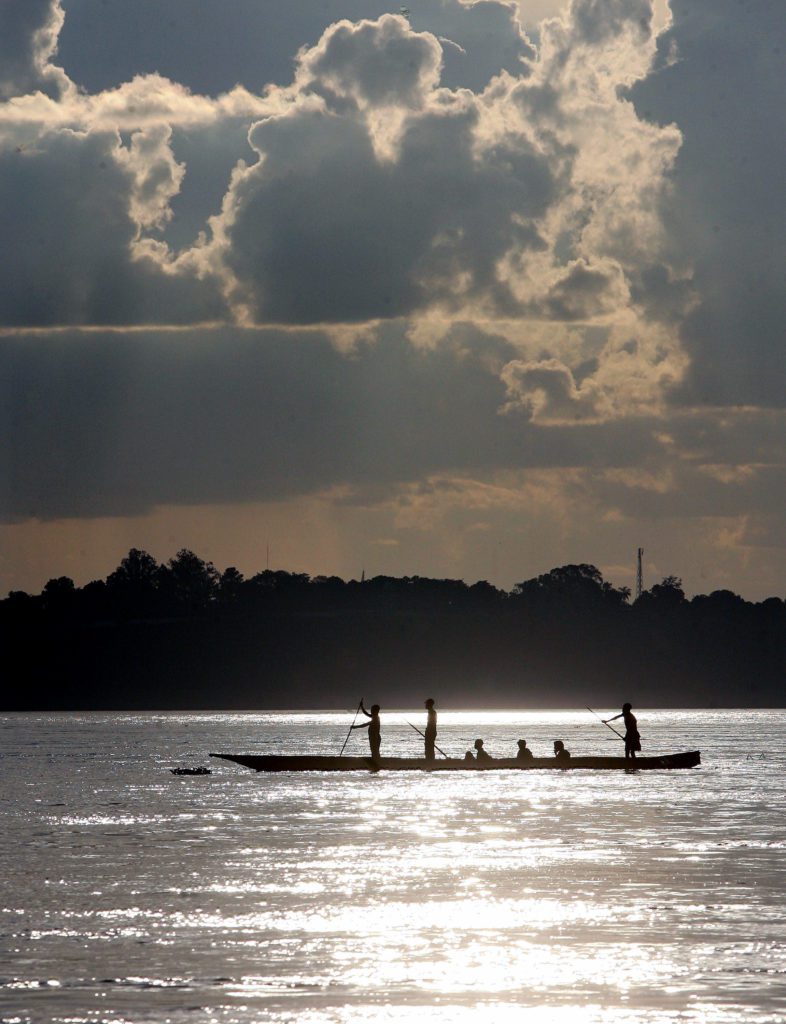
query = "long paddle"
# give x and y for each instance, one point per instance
(424, 736)
(595, 713)
(350, 728)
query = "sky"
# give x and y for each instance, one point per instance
(465, 290)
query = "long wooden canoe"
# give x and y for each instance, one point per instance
(317, 763)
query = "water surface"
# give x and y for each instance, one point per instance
(130, 894)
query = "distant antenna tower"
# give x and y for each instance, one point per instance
(639, 574)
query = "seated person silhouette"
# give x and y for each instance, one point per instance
(483, 757)
(469, 756)
(560, 753)
(524, 753)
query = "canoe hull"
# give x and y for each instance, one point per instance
(316, 763)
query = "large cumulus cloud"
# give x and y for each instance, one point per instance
(378, 192)
(371, 197)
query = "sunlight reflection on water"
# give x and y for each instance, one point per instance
(129, 894)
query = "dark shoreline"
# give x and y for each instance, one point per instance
(185, 637)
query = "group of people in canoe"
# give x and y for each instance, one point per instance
(481, 755)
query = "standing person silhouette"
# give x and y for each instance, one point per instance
(632, 738)
(374, 730)
(431, 729)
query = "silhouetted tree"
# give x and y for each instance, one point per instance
(188, 582)
(230, 585)
(58, 593)
(485, 595)
(93, 601)
(137, 569)
(668, 594)
(63, 586)
(570, 585)
(132, 589)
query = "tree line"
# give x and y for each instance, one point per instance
(182, 634)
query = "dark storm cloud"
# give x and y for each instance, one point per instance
(721, 76)
(212, 46)
(321, 230)
(112, 425)
(65, 207)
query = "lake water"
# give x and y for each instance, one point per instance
(130, 894)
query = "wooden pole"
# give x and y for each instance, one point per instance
(424, 736)
(350, 728)
(595, 713)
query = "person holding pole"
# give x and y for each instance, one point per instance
(631, 737)
(420, 733)
(374, 729)
(430, 735)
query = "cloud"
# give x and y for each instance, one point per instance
(376, 193)
(374, 64)
(75, 258)
(156, 175)
(113, 424)
(721, 75)
(142, 121)
(324, 229)
(370, 172)
(595, 21)
(548, 392)
(580, 291)
(142, 102)
(28, 40)
(213, 46)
